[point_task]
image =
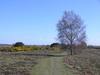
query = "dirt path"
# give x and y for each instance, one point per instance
(51, 66)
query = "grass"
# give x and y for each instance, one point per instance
(17, 63)
(22, 63)
(50, 63)
(51, 66)
(33, 63)
(86, 63)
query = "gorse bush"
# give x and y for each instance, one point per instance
(28, 48)
(94, 47)
(25, 48)
(35, 48)
(56, 48)
(97, 47)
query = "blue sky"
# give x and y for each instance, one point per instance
(34, 21)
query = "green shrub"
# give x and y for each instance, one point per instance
(55, 45)
(97, 65)
(18, 44)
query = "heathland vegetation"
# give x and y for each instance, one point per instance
(70, 56)
(47, 61)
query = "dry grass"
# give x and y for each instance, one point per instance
(17, 63)
(20, 63)
(87, 63)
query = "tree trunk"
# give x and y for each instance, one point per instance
(71, 50)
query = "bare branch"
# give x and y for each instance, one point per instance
(71, 29)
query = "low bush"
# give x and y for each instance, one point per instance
(56, 48)
(28, 48)
(25, 48)
(97, 47)
(18, 44)
(5, 49)
(94, 47)
(35, 48)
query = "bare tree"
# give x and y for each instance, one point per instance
(71, 30)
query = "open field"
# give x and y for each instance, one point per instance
(22, 63)
(50, 63)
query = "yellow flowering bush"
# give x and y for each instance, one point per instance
(56, 48)
(30, 48)
(25, 48)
